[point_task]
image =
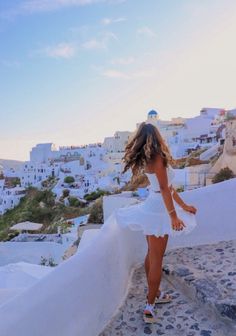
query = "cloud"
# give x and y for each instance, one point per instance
(109, 21)
(146, 31)
(61, 50)
(99, 43)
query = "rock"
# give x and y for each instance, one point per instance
(166, 269)
(227, 309)
(189, 278)
(188, 311)
(231, 273)
(147, 331)
(169, 326)
(206, 290)
(171, 319)
(182, 271)
(194, 326)
(205, 333)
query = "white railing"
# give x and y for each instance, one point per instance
(81, 295)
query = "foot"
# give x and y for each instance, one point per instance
(149, 314)
(163, 297)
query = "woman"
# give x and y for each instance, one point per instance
(163, 213)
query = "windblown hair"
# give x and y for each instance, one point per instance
(143, 147)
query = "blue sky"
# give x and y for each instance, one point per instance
(75, 71)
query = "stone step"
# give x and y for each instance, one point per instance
(181, 317)
(203, 290)
(206, 274)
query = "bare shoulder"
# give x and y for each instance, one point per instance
(158, 163)
(160, 171)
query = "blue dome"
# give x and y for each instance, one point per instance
(152, 113)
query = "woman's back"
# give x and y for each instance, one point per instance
(154, 183)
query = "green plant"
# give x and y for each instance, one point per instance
(47, 262)
(180, 189)
(65, 193)
(95, 195)
(69, 179)
(12, 235)
(74, 202)
(51, 215)
(223, 175)
(15, 181)
(96, 212)
(46, 197)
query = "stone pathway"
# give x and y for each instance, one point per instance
(186, 315)
(208, 274)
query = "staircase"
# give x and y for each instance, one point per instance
(202, 282)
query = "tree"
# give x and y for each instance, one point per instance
(74, 202)
(95, 194)
(69, 179)
(223, 175)
(96, 212)
(65, 193)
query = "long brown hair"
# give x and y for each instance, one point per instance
(143, 147)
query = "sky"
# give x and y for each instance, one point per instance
(75, 71)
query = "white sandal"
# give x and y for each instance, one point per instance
(149, 314)
(163, 298)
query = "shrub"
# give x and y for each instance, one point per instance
(223, 175)
(96, 212)
(47, 262)
(15, 181)
(65, 193)
(69, 179)
(180, 188)
(46, 197)
(74, 202)
(95, 195)
(12, 235)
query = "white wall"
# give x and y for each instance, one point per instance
(116, 201)
(80, 296)
(31, 252)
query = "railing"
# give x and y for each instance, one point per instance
(80, 296)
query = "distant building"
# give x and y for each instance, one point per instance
(9, 197)
(43, 153)
(117, 143)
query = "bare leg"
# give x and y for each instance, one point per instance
(153, 263)
(146, 262)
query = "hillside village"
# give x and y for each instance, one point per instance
(55, 205)
(197, 143)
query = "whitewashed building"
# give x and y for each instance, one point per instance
(9, 197)
(33, 173)
(118, 142)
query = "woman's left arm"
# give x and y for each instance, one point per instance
(179, 200)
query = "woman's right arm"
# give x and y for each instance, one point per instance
(161, 173)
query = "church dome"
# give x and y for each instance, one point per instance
(152, 114)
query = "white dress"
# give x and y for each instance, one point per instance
(151, 215)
